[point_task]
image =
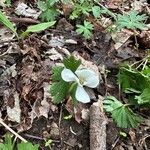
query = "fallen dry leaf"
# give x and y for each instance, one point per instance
(54, 54)
(56, 41)
(138, 5)
(121, 37)
(24, 10)
(14, 113)
(45, 106)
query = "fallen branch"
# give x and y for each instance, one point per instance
(24, 20)
(97, 128)
(12, 131)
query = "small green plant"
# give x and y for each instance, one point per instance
(134, 81)
(85, 8)
(48, 143)
(6, 22)
(131, 21)
(80, 8)
(85, 30)
(9, 144)
(37, 28)
(121, 113)
(5, 3)
(49, 9)
(28, 145)
(69, 80)
(68, 117)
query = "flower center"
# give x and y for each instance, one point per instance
(81, 80)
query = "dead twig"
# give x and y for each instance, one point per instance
(97, 127)
(24, 20)
(12, 131)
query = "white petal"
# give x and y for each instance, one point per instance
(91, 79)
(68, 76)
(81, 95)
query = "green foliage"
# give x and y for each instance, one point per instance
(134, 80)
(49, 14)
(131, 78)
(49, 10)
(137, 82)
(9, 144)
(71, 63)
(7, 23)
(111, 103)
(38, 28)
(144, 98)
(79, 9)
(85, 30)
(59, 88)
(56, 76)
(68, 117)
(125, 118)
(49, 142)
(131, 21)
(121, 113)
(25, 146)
(96, 11)
(8, 3)
(85, 7)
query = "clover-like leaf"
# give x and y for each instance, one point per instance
(85, 29)
(131, 21)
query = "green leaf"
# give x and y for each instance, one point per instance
(8, 143)
(52, 2)
(125, 118)
(111, 103)
(85, 29)
(59, 90)
(144, 98)
(56, 71)
(49, 142)
(71, 63)
(73, 90)
(131, 21)
(131, 90)
(3, 147)
(130, 78)
(38, 28)
(96, 11)
(121, 113)
(42, 5)
(49, 14)
(29, 146)
(7, 23)
(80, 8)
(67, 117)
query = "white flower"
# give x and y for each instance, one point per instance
(83, 77)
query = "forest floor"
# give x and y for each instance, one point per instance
(26, 105)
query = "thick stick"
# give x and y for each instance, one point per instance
(97, 129)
